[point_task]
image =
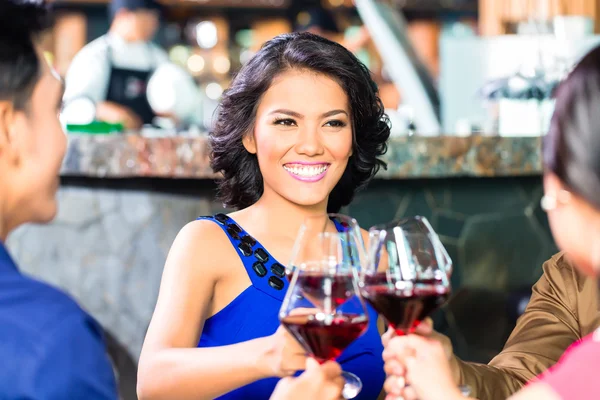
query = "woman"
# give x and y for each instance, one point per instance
(298, 132)
(572, 200)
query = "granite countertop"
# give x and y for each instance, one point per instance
(127, 156)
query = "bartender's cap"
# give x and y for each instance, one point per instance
(132, 5)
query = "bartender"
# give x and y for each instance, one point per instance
(113, 71)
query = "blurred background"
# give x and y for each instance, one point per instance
(468, 87)
(459, 65)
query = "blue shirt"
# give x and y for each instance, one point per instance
(49, 347)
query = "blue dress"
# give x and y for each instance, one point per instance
(254, 313)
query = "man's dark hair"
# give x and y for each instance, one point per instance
(572, 145)
(242, 183)
(132, 5)
(21, 21)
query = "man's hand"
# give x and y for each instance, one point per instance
(317, 382)
(425, 329)
(116, 113)
(426, 370)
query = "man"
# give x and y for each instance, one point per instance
(49, 347)
(113, 71)
(564, 307)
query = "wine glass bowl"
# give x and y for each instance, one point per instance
(404, 279)
(322, 308)
(327, 223)
(419, 224)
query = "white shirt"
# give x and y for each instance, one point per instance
(89, 72)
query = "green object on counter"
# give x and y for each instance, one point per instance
(96, 128)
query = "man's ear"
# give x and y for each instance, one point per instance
(249, 143)
(8, 134)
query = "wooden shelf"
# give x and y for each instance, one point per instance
(496, 15)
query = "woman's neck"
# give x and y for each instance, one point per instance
(274, 211)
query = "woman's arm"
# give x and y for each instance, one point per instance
(170, 364)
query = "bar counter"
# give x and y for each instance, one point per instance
(127, 156)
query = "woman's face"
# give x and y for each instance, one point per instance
(575, 226)
(302, 137)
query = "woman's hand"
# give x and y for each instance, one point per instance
(422, 364)
(317, 382)
(284, 355)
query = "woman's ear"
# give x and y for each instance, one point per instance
(249, 143)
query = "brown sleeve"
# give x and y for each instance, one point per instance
(548, 326)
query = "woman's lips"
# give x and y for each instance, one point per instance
(307, 172)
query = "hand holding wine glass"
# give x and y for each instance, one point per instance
(396, 366)
(425, 361)
(283, 354)
(322, 382)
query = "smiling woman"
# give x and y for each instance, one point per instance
(320, 62)
(299, 131)
(309, 140)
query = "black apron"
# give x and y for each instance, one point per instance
(127, 87)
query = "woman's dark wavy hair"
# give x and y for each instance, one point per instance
(571, 148)
(242, 183)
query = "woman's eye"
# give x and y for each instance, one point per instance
(336, 124)
(285, 122)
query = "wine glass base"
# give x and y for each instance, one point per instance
(353, 385)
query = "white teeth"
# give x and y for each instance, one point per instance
(306, 171)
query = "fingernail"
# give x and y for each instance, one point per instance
(400, 381)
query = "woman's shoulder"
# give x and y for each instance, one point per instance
(203, 234)
(204, 244)
(574, 375)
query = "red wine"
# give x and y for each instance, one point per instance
(325, 339)
(317, 287)
(404, 309)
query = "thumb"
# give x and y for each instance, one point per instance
(425, 328)
(387, 336)
(417, 342)
(311, 365)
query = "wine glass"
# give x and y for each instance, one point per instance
(331, 222)
(418, 224)
(404, 279)
(322, 309)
